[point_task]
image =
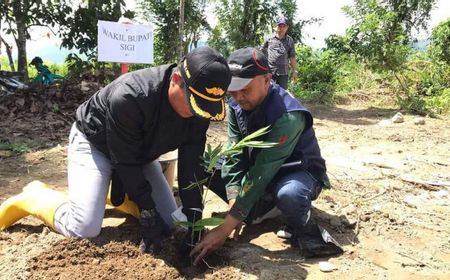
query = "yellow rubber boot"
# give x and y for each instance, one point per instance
(37, 200)
(127, 207)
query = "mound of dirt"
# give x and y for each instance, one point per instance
(115, 260)
(42, 115)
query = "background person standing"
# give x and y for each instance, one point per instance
(280, 51)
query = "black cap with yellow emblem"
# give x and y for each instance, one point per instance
(207, 76)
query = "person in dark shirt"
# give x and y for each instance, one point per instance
(117, 138)
(280, 50)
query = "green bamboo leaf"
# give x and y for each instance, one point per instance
(213, 221)
(184, 223)
(256, 134)
(213, 163)
(197, 184)
(191, 225)
(198, 228)
(232, 153)
(211, 157)
(260, 144)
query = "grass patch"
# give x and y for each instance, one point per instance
(18, 147)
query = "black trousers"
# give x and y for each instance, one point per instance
(281, 80)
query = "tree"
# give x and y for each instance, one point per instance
(165, 15)
(411, 14)
(20, 15)
(381, 30)
(8, 53)
(80, 30)
(7, 48)
(251, 21)
(440, 42)
(289, 8)
(242, 23)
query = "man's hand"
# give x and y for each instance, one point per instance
(153, 228)
(211, 242)
(294, 71)
(214, 239)
(294, 76)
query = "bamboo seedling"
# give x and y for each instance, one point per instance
(211, 159)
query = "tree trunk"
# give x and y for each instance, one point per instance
(21, 42)
(181, 31)
(8, 52)
(19, 10)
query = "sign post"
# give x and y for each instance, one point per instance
(123, 68)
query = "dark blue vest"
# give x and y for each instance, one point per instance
(306, 154)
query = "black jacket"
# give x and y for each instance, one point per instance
(132, 122)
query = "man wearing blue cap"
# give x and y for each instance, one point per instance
(289, 175)
(280, 50)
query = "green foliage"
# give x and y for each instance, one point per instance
(80, 30)
(439, 48)
(327, 74)
(202, 223)
(165, 14)
(80, 33)
(379, 39)
(212, 156)
(251, 20)
(427, 85)
(137, 66)
(377, 36)
(316, 75)
(421, 86)
(55, 108)
(4, 64)
(78, 66)
(15, 147)
(339, 45)
(210, 160)
(412, 14)
(381, 31)
(60, 69)
(19, 16)
(439, 104)
(352, 75)
(247, 142)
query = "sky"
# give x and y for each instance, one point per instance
(334, 22)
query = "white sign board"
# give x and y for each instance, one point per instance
(125, 43)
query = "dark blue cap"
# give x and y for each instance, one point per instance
(282, 20)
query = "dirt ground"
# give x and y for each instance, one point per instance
(388, 207)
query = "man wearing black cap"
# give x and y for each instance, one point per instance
(280, 50)
(118, 136)
(289, 175)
